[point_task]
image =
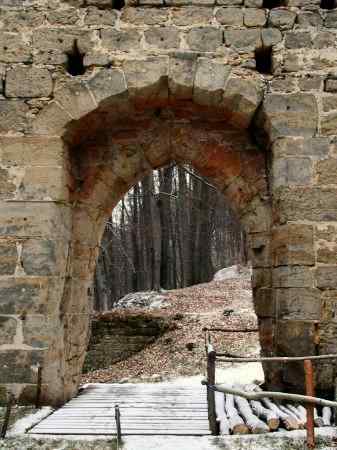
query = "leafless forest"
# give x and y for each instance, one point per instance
(173, 229)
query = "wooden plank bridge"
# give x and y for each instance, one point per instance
(146, 409)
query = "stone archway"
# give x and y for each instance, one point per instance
(119, 125)
(98, 137)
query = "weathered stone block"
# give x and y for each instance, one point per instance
(292, 114)
(204, 39)
(329, 103)
(52, 120)
(25, 219)
(243, 39)
(108, 84)
(242, 98)
(52, 45)
(266, 335)
(310, 83)
(13, 48)
(329, 306)
(326, 171)
(64, 16)
(299, 303)
(7, 184)
(229, 2)
(32, 151)
(324, 39)
(330, 85)
(51, 183)
(229, 16)
(96, 16)
(253, 3)
(28, 81)
(283, 19)
(292, 172)
(309, 19)
(330, 19)
(8, 327)
(270, 36)
(293, 245)
(255, 17)
(115, 40)
(147, 79)
(292, 277)
(326, 244)
(327, 335)
(298, 39)
(20, 365)
(210, 80)
(13, 116)
(163, 37)
(44, 257)
(326, 277)
(296, 338)
(192, 16)
(147, 16)
(261, 278)
(8, 257)
(19, 19)
(181, 77)
(315, 148)
(329, 124)
(37, 330)
(283, 84)
(264, 303)
(259, 245)
(75, 98)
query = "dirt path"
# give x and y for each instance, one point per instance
(181, 351)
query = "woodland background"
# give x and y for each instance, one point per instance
(173, 229)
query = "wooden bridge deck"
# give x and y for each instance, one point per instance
(146, 409)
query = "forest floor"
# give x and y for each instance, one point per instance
(181, 350)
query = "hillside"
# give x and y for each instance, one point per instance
(181, 350)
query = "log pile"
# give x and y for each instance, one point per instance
(237, 415)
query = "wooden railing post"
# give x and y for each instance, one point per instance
(211, 357)
(7, 416)
(118, 426)
(38, 388)
(309, 387)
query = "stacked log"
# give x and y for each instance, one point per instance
(238, 415)
(221, 413)
(236, 423)
(254, 424)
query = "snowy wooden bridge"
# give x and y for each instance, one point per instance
(146, 409)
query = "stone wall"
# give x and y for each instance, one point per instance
(117, 336)
(95, 96)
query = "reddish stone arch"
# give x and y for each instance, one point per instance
(116, 126)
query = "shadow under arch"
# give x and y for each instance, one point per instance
(118, 125)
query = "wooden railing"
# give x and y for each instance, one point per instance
(309, 399)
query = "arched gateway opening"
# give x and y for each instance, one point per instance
(126, 124)
(115, 127)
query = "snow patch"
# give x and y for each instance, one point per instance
(147, 299)
(27, 422)
(236, 271)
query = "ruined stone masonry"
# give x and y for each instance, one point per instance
(95, 94)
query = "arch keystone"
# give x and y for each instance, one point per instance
(210, 80)
(147, 80)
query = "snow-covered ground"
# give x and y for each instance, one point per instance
(239, 374)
